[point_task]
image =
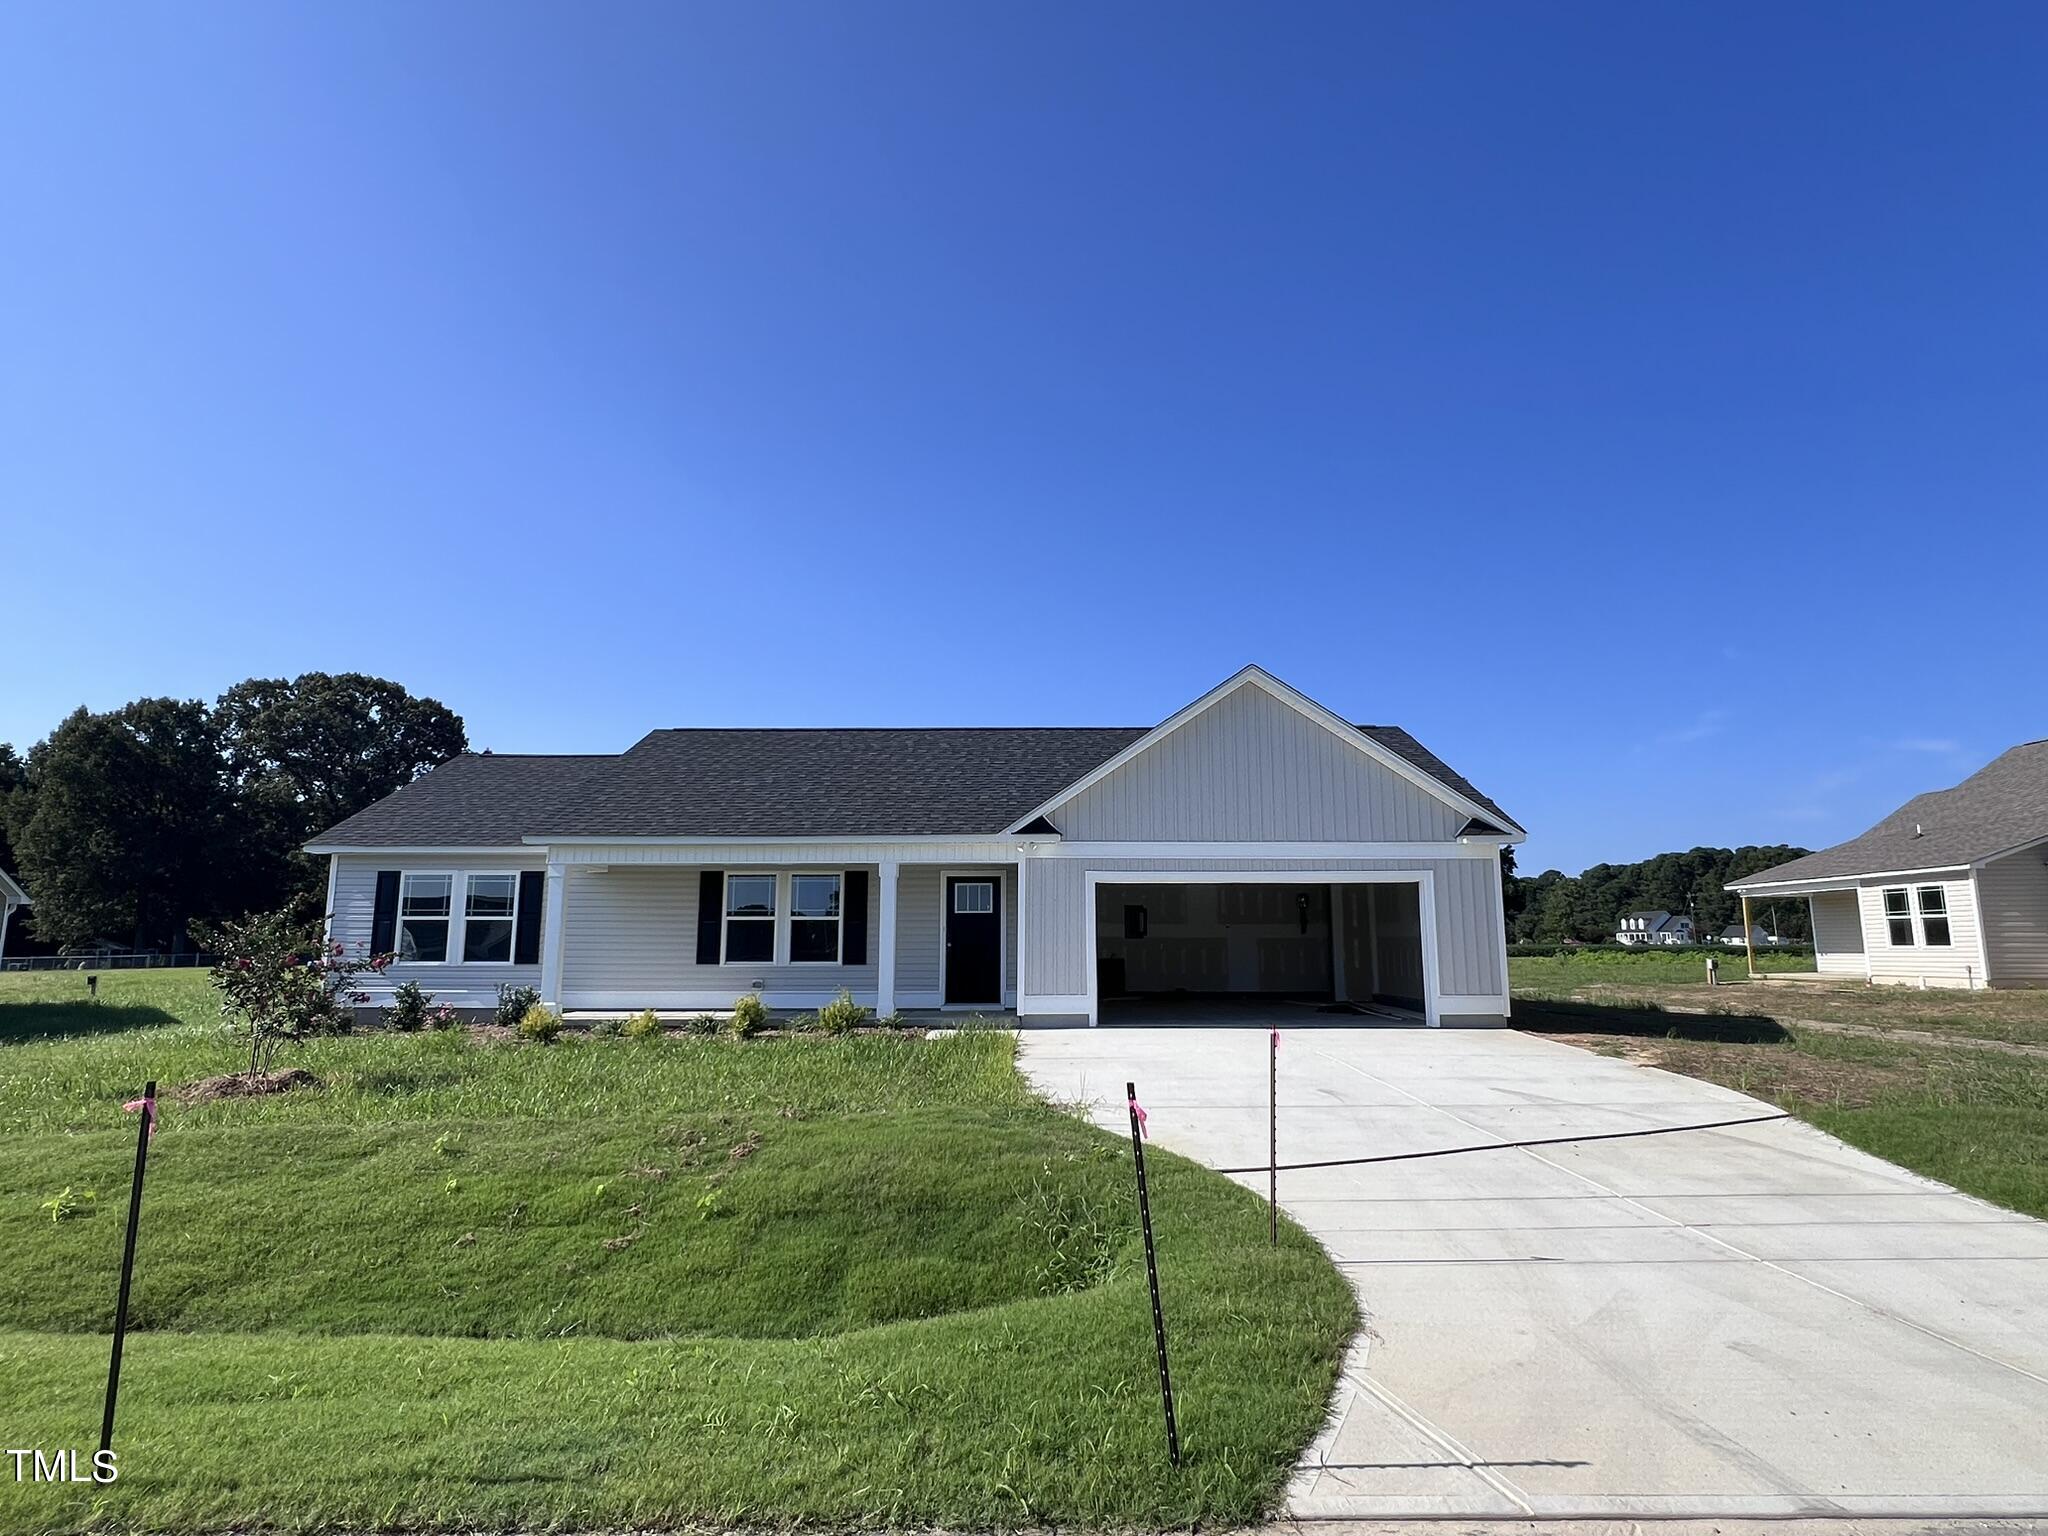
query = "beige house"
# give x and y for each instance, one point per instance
(1950, 890)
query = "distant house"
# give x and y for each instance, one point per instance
(1950, 890)
(1732, 936)
(11, 896)
(1653, 928)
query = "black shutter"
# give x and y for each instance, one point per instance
(384, 922)
(710, 910)
(853, 914)
(532, 897)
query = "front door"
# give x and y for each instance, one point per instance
(974, 940)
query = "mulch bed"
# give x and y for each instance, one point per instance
(246, 1085)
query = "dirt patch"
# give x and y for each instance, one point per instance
(246, 1085)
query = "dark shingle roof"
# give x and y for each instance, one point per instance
(2000, 806)
(959, 781)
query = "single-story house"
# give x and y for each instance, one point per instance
(1735, 936)
(1253, 844)
(12, 895)
(1950, 890)
(1657, 927)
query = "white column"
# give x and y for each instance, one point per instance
(551, 935)
(885, 939)
(6, 913)
(1339, 988)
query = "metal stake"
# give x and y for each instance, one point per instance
(1273, 1142)
(128, 1262)
(1152, 1273)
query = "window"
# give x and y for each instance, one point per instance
(489, 909)
(423, 907)
(749, 918)
(814, 919)
(1898, 918)
(1933, 915)
(974, 896)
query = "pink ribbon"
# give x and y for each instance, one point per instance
(1276, 1037)
(148, 1109)
(1139, 1110)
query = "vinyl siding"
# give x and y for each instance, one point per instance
(1253, 769)
(630, 940)
(2014, 891)
(1468, 914)
(1953, 965)
(633, 932)
(456, 984)
(1837, 933)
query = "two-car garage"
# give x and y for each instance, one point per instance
(1191, 949)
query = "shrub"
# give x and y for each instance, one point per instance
(643, 1025)
(749, 1017)
(514, 1003)
(702, 1024)
(608, 1029)
(413, 1008)
(842, 1014)
(539, 1023)
(281, 981)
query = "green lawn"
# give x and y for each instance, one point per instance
(1971, 1117)
(1560, 974)
(865, 1281)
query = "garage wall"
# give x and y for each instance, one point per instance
(2014, 893)
(1058, 920)
(1253, 769)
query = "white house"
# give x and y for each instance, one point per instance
(1252, 847)
(12, 895)
(1657, 927)
(1950, 890)
(1735, 938)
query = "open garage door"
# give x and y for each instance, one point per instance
(1256, 951)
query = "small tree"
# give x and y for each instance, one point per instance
(281, 981)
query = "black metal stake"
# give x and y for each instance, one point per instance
(128, 1262)
(1152, 1274)
(1273, 1142)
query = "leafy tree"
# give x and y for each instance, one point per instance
(1554, 906)
(13, 802)
(281, 982)
(303, 754)
(127, 818)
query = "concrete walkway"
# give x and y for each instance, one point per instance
(1749, 1322)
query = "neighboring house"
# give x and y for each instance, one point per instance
(11, 896)
(1950, 890)
(1733, 936)
(1653, 928)
(1252, 844)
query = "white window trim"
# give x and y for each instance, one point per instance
(1921, 914)
(776, 943)
(1887, 916)
(790, 918)
(457, 919)
(461, 957)
(450, 955)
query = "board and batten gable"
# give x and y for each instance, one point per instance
(1251, 768)
(2014, 893)
(456, 984)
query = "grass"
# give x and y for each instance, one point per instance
(2018, 1016)
(1973, 1118)
(867, 1281)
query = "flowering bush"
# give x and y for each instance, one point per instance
(412, 1007)
(281, 981)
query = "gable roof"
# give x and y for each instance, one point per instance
(2000, 807)
(1391, 746)
(971, 781)
(13, 891)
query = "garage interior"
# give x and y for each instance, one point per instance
(1253, 953)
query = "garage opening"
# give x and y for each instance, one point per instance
(1259, 953)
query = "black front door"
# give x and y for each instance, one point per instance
(974, 939)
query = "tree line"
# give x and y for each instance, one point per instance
(132, 824)
(1553, 906)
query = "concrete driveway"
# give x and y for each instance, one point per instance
(1747, 1322)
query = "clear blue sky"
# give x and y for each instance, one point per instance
(1645, 404)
